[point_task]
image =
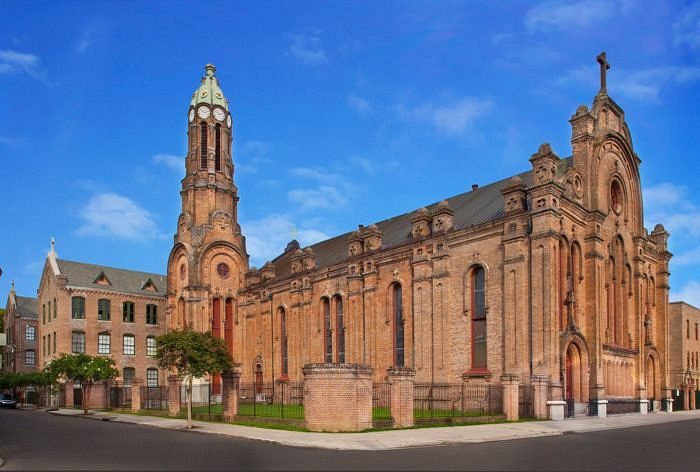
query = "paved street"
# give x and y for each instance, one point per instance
(37, 440)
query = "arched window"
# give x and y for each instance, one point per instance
(216, 318)
(564, 282)
(339, 330)
(228, 326)
(327, 331)
(397, 312)
(203, 146)
(181, 313)
(575, 276)
(283, 341)
(217, 148)
(478, 319)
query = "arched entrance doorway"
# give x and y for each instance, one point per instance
(652, 382)
(575, 377)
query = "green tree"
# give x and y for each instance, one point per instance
(2, 320)
(83, 369)
(192, 354)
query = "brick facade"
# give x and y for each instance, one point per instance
(549, 277)
(21, 352)
(684, 332)
(62, 281)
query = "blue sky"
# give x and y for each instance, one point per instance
(345, 113)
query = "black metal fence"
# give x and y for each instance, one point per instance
(526, 401)
(457, 400)
(272, 400)
(119, 396)
(154, 398)
(381, 401)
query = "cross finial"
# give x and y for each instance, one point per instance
(604, 66)
(13, 286)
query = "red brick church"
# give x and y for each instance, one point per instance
(546, 278)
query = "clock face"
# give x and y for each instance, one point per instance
(219, 114)
(191, 115)
(228, 121)
(203, 112)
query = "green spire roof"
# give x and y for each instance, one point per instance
(209, 92)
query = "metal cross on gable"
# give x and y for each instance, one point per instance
(604, 67)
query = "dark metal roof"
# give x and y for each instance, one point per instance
(27, 307)
(470, 209)
(80, 274)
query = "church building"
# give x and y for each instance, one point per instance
(547, 277)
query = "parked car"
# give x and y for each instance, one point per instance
(6, 401)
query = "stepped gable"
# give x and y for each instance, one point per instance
(471, 208)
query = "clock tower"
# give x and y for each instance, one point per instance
(208, 260)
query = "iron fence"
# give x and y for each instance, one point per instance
(438, 400)
(273, 400)
(381, 401)
(154, 398)
(119, 396)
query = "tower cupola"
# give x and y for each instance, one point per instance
(209, 92)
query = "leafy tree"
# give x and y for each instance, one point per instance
(2, 320)
(84, 369)
(192, 354)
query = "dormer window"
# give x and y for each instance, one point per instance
(149, 286)
(102, 279)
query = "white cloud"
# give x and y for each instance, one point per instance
(689, 293)
(688, 257)
(331, 192)
(453, 118)
(669, 204)
(171, 161)
(359, 104)
(686, 29)
(12, 142)
(558, 15)
(308, 48)
(250, 155)
(114, 215)
(86, 40)
(267, 237)
(372, 167)
(13, 61)
(322, 197)
(644, 84)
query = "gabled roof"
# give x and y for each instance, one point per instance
(27, 307)
(471, 208)
(80, 274)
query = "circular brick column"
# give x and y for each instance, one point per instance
(337, 397)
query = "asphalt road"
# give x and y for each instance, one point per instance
(36, 440)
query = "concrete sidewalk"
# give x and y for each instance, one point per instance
(395, 439)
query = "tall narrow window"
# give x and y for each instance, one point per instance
(128, 312)
(29, 333)
(327, 331)
(687, 329)
(217, 148)
(78, 307)
(48, 318)
(203, 146)
(478, 319)
(54, 342)
(283, 341)
(103, 309)
(129, 345)
(43, 314)
(216, 318)
(78, 342)
(104, 342)
(151, 346)
(397, 306)
(29, 357)
(151, 377)
(129, 375)
(55, 309)
(152, 314)
(339, 330)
